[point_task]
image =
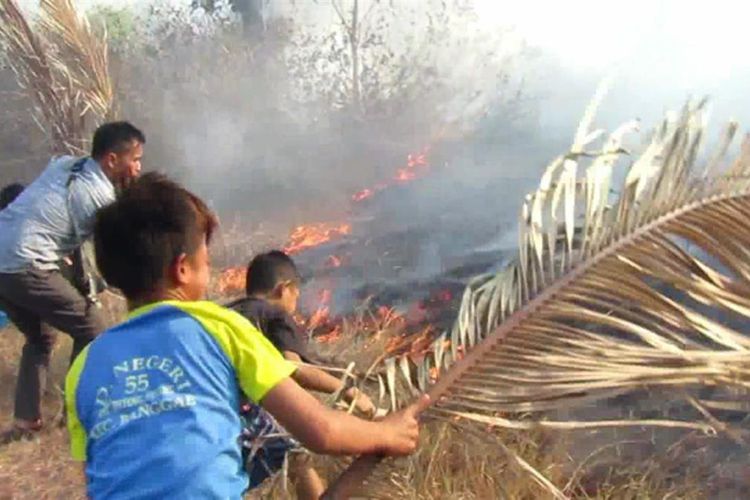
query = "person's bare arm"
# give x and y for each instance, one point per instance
(311, 378)
(315, 379)
(332, 432)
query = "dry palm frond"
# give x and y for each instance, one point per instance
(62, 63)
(82, 55)
(608, 294)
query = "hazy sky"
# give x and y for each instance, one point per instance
(591, 34)
(661, 50)
(599, 33)
(596, 33)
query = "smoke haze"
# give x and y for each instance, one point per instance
(264, 127)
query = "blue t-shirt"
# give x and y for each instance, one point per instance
(153, 403)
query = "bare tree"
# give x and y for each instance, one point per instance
(382, 61)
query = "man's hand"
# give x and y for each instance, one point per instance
(401, 429)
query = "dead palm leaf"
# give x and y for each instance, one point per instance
(63, 65)
(82, 54)
(608, 294)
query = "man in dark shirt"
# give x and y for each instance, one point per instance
(272, 288)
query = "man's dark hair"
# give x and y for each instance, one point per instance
(267, 270)
(10, 193)
(115, 137)
(140, 235)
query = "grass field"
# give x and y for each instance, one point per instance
(39, 468)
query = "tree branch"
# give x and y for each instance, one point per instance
(342, 18)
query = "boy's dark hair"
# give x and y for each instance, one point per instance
(139, 236)
(267, 270)
(115, 137)
(10, 193)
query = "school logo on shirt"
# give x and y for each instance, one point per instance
(143, 387)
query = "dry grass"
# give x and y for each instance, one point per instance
(463, 462)
(40, 468)
(466, 460)
(457, 459)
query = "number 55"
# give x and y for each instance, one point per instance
(136, 383)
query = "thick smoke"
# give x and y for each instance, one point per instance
(263, 123)
(268, 127)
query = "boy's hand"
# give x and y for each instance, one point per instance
(401, 429)
(363, 403)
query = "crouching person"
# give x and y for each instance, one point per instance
(50, 220)
(152, 403)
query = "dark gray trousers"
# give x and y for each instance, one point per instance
(35, 300)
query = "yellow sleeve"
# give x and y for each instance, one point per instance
(258, 364)
(75, 429)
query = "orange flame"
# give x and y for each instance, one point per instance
(388, 317)
(318, 318)
(333, 261)
(232, 280)
(414, 164)
(418, 160)
(362, 195)
(312, 235)
(404, 175)
(322, 313)
(331, 336)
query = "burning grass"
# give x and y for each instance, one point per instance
(312, 235)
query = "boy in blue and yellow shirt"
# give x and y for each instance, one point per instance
(152, 403)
